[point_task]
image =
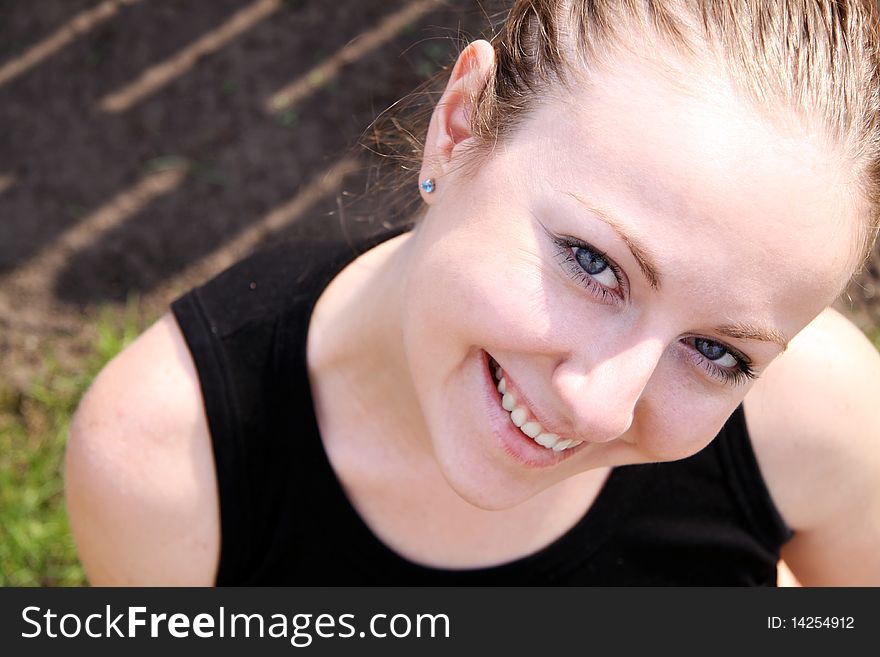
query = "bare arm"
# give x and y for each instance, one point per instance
(140, 481)
(815, 422)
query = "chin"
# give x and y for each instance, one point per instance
(488, 488)
(489, 500)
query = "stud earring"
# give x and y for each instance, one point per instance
(427, 185)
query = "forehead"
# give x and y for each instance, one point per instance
(698, 173)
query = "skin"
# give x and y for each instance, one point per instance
(745, 220)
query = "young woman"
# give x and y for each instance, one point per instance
(603, 355)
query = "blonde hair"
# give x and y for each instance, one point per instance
(818, 59)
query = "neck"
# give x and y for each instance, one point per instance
(356, 343)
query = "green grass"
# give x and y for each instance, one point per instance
(36, 548)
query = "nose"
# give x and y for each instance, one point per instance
(600, 389)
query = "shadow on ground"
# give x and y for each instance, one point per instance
(69, 158)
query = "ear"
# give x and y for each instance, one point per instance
(451, 121)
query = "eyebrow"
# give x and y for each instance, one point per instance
(640, 253)
(752, 332)
(741, 331)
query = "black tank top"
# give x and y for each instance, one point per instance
(285, 519)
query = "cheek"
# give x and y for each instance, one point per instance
(460, 295)
(680, 422)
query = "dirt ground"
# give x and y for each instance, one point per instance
(144, 144)
(109, 191)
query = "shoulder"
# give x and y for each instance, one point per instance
(140, 481)
(815, 428)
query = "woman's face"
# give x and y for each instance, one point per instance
(630, 259)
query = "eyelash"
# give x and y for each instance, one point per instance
(564, 245)
(740, 374)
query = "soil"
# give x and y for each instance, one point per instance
(80, 225)
(101, 205)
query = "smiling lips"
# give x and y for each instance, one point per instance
(524, 419)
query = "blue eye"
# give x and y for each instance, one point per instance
(590, 267)
(592, 262)
(596, 265)
(712, 350)
(721, 362)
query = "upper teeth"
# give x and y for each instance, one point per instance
(520, 416)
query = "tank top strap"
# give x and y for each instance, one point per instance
(747, 484)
